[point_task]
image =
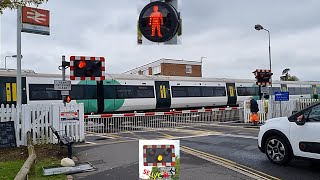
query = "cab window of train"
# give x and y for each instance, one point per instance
(248, 91)
(43, 92)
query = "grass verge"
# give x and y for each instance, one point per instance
(12, 159)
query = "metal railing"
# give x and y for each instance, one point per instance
(115, 123)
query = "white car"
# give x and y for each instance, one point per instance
(296, 136)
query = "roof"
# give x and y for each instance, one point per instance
(161, 61)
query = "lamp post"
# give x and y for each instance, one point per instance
(5, 60)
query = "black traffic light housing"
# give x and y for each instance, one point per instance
(263, 77)
(155, 155)
(87, 68)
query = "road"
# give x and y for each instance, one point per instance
(207, 152)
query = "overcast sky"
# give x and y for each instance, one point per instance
(223, 31)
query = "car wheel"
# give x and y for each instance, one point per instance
(277, 150)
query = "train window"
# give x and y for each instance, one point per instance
(213, 91)
(306, 90)
(178, 91)
(219, 91)
(122, 92)
(294, 90)
(318, 90)
(109, 92)
(43, 92)
(77, 92)
(90, 92)
(207, 91)
(145, 92)
(274, 89)
(194, 92)
(248, 91)
(125, 92)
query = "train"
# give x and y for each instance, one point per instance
(128, 93)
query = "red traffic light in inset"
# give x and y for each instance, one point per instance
(87, 68)
(159, 155)
(159, 21)
(263, 76)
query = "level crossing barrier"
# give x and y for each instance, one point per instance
(150, 121)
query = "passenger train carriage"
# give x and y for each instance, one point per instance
(121, 93)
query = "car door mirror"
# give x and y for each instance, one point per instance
(301, 120)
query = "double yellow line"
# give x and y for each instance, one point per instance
(228, 164)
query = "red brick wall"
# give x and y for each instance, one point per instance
(180, 70)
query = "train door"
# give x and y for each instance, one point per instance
(163, 95)
(314, 92)
(8, 90)
(231, 92)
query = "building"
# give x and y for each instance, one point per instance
(169, 67)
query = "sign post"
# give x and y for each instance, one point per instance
(19, 87)
(29, 20)
(281, 96)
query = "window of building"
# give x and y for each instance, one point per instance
(188, 69)
(156, 70)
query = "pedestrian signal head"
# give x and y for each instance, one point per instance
(159, 21)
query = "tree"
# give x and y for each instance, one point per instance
(287, 77)
(14, 4)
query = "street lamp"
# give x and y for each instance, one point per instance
(5, 60)
(258, 27)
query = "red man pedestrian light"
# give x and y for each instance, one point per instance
(159, 21)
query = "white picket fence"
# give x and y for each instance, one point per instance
(273, 109)
(38, 118)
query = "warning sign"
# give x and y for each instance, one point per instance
(65, 116)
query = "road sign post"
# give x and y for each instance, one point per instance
(281, 96)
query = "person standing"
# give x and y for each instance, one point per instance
(254, 109)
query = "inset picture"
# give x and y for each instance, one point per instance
(160, 23)
(159, 159)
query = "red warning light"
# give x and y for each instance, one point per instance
(82, 64)
(155, 21)
(68, 99)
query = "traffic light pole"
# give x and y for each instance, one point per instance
(63, 75)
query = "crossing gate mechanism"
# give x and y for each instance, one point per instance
(159, 155)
